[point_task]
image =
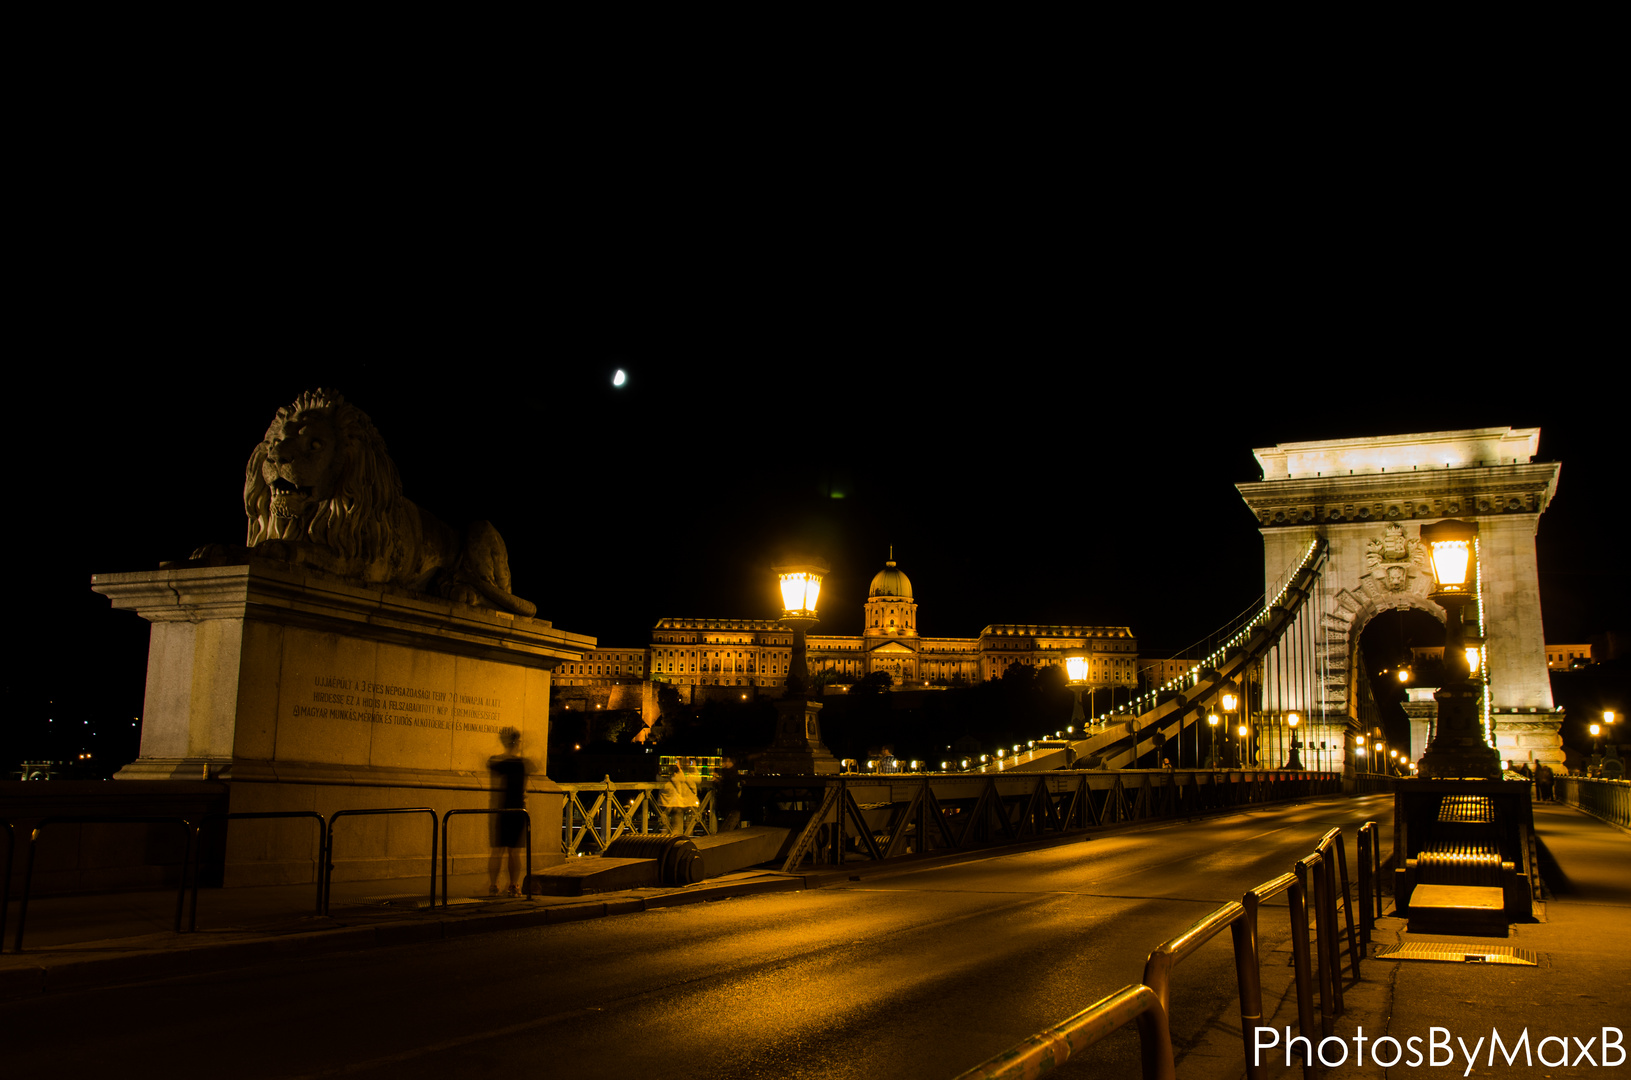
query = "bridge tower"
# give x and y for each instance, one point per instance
(1369, 498)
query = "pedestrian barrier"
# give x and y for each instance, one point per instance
(618, 809)
(328, 861)
(1149, 1002)
(511, 810)
(249, 815)
(1368, 849)
(872, 817)
(190, 836)
(1047, 1050)
(1251, 995)
(1609, 800)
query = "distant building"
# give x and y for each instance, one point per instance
(1565, 657)
(708, 653)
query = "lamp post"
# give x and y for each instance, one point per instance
(1295, 761)
(1359, 753)
(1076, 669)
(1244, 742)
(1459, 748)
(1212, 741)
(798, 747)
(1229, 701)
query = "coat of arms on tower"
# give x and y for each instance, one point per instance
(1395, 563)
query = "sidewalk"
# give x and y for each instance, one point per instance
(1580, 985)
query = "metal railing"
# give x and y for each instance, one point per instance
(1149, 1002)
(1609, 800)
(1046, 1050)
(1368, 849)
(445, 849)
(616, 809)
(250, 815)
(328, 860)
(189, 834)
(1251, 997)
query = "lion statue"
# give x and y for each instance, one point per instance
(321, 491)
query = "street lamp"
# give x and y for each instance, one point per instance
(1359, 753)
(800, 589)
(1459, 748)
(1076, 669)
(798, 747)
(1212, 741)
(1245, 745)
(1295, 761)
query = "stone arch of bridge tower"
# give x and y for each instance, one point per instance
(1350, 613)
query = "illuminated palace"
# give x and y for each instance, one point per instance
(707, 653)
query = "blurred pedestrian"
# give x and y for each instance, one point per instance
(678, 796)
(509, 772)
(728, 796)
(1543, 781)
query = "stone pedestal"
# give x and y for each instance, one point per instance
(306, 692)
(798, 749)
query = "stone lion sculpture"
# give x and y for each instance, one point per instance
(321, 491)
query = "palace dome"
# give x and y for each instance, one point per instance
(890, 582)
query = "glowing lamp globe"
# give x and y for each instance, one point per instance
(1292, 719)
(1076, 665)
(801, 589)
(1451, 544)
(1229, 701)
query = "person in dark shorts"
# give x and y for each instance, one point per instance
(509, 771)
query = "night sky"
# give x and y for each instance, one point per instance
(1041, 439)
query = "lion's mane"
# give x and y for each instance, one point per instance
(367, 498)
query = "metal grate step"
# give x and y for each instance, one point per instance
(1455, 952)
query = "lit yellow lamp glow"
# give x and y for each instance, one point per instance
(1293, 719)
(1229, 702)
(1451, 544)
(1404, 674)
(1472, 660)
(1076, 667)
(801, 589)
(1241, 731)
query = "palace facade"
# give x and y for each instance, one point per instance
(706, 653)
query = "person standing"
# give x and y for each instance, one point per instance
(678, 796)
(728, 795)
(509, 772)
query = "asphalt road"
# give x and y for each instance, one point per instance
(911, 974)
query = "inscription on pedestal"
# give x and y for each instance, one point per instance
(364, 701)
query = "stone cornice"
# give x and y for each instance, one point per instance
(274, 592)
(1490, 491)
